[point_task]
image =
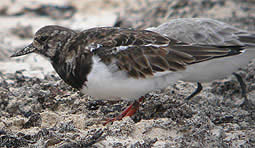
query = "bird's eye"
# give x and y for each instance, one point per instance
(43, 38)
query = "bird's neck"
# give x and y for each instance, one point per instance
(73, 71)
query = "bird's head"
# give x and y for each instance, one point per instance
(47, 41)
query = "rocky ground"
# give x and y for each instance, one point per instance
(37, 109)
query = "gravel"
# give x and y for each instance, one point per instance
(37, 109)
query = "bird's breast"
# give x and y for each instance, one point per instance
(103, 83)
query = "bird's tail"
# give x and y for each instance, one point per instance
(247, 39)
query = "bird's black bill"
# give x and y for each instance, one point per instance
(29, 49)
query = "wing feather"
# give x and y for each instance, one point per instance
(142, 53)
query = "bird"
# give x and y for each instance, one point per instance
(113, 63)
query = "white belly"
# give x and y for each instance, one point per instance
(104, 84)
(217, 68)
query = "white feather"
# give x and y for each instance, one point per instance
(154, 45)
(105, 84)
(120, 48)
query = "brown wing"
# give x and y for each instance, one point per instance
(142, 53)
(142, 61)
(138, 52)
(207, 52)
(110, 37)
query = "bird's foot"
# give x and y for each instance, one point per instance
(242, 85)
(129, 111)
(243, 90)
(197, 91)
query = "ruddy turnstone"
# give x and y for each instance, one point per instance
(120, 63)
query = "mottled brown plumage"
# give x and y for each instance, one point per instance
(146, 52)
(140, 53)
(109, 63)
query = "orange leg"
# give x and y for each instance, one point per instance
(129, 111)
